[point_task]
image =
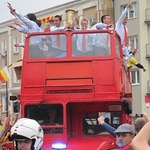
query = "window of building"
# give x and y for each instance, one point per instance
(3, 104)
(132, 11)
(15, 41)
(133, 40)
(4, 47)
(135, 77)
(15, 79)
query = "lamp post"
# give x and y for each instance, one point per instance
(6, 86)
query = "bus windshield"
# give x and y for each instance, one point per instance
(89, 44)
(46, 115)
(82, 44)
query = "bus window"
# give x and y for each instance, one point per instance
(46, 115)
(52, 46)
(91, 125)
(97, 44)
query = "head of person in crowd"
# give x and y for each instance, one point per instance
(124, 135)
(50, 23)
(106, 19)
(107, 120)
(84, 24)
(57, 21)
(27, 134)
(138, 124)
(32, 17)
(76, 23)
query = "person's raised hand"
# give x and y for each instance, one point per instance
(101, 120)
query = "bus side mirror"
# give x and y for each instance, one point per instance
(16, 106)
(127, 107)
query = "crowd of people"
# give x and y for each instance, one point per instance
(130, 137)
(28, 134)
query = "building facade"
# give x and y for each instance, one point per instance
(138, 32)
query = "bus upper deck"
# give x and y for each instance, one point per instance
(62, 64)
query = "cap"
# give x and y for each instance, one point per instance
(125, 128)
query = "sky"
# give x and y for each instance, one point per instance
(26, 6)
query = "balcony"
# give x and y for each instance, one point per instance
(148, 51)
(147, 15)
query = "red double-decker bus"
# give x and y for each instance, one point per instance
(67, 84)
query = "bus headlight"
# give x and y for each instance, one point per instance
(59, 146)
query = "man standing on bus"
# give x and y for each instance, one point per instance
(122, 31)
(84, 42)
(101, 41)
(58, 41)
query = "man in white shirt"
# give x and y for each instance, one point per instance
(84, 42)
(122, 31)
(58, 41)
(101, 41)
(28, 24)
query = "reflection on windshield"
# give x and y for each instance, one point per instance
(91, 125)
(46, 115)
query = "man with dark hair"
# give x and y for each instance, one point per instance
(105, 22)
(101, 41)
(32, 17)
(27, 25)
(57, 24)
(106, 19)
(58, 41)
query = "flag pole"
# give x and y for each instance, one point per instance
(6, 86)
